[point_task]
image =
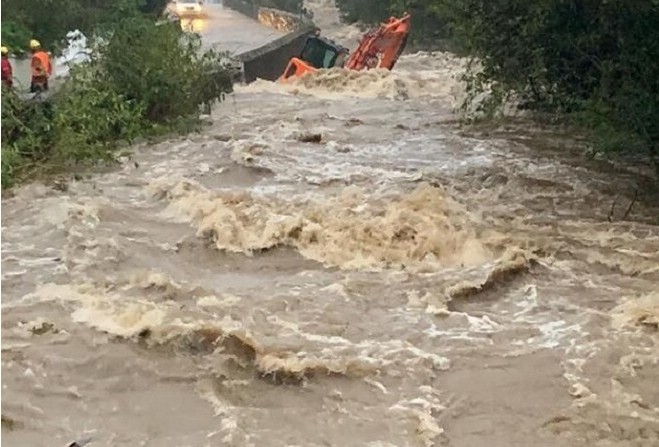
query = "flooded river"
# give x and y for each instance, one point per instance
(335, 263)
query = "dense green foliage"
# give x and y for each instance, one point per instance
(27, 134)
(590, 61)
(177, 79)
(159, 85)
(16, 36)
(49, 21)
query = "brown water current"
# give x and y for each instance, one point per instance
(336, 263)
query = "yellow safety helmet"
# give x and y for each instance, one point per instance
(34, 44)
(5, 50)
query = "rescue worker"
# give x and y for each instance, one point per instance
(7, 69)
(42, 67)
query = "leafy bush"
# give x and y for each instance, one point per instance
(177, 79)
(589, 61)
(161, 82)
(49, 21)
(27, 134)
(15, 36)
(92, 118)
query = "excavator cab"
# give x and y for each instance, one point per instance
(318, 53)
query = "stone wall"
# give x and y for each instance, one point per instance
(285, 22)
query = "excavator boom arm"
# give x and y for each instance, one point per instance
(381, 48)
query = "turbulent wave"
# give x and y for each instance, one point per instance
(400, 84)
(642, 311)
(416, 75)
(423, 227)
(506, 285)
(511, 263)
(276, 357)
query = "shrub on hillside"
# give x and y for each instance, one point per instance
(15, 36)
(27, 133)
(164, 70)
(589, 61)
(49, 21)
(92, 118)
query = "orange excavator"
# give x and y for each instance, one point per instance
(379, 48)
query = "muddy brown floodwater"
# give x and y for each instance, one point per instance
(398, 283)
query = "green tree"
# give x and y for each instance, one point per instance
(50, 20)
(178, 77)
(587, 60)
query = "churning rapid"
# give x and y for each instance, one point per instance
(335, 263)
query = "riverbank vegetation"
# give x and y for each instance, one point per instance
(585, 62)
(49, 21)
(146, 78)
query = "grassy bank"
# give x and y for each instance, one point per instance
(590, 64)
(147, 79)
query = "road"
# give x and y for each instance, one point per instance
(229, 30)
(221, 28)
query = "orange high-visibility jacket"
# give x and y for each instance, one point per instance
(41, 65)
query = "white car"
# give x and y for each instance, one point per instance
(184, 8)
